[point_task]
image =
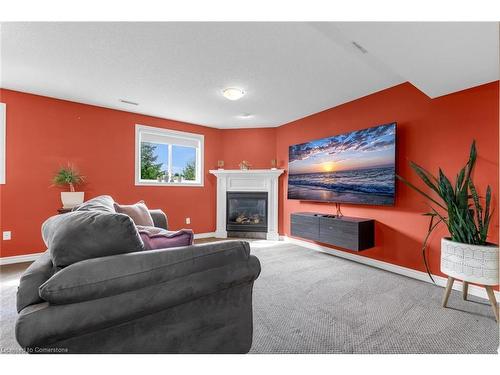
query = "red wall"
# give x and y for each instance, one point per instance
(257, 146)
(45, 133)
(434, 133)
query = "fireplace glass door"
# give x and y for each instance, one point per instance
(246, 212)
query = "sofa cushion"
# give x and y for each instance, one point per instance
(81, 235)
(138, 212)
(159, 218)
(102, 203)
(157, 238)
(35, 275)
(99, 278)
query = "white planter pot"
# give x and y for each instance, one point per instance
(72, 199)
(472, 263)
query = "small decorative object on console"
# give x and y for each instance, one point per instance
(69, 176)
(244, 165)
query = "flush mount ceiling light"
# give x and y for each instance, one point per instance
(245, 115)
(233, 93)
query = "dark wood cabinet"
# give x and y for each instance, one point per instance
(351, 233)
(306, 226)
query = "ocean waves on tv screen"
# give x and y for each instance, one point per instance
(379, 181)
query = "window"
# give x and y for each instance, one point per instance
(168, 157)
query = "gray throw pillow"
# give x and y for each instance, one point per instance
(138, 212)
(81, 235)
(103, 203)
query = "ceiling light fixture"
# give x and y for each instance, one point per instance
(233, 93)
(246, 115)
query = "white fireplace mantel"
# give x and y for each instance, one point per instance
(265, 180)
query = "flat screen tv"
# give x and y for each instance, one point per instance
(357, 167)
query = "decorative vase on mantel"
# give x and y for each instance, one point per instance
(244, 165)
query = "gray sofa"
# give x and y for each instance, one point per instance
(193, 299)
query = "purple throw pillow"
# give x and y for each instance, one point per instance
(158, 238)
(138, 212)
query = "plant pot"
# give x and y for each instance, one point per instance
(472, 263)
(72, 199)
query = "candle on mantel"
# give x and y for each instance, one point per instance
(273, 164)
(220, 164)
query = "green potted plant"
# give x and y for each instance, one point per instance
(69, 177)
(465, 255)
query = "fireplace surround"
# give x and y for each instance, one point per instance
(247, 181)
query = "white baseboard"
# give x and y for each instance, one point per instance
(19, 259)
(204, 235)
(419, 275)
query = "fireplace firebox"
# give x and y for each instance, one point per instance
(246, 212)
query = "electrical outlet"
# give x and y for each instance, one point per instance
(7, 235)
(188, 220)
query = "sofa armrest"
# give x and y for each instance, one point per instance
(103, 277)
(35, 275)
(160, 219)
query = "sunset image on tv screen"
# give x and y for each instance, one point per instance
(356, 167)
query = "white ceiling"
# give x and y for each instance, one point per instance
(288, 70)
(437, 57)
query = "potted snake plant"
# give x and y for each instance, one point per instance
(466, 254)
(69, 177)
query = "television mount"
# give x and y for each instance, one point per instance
(338, 213)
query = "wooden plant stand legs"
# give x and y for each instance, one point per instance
(489, 290)
(449, 286)
(493, 301)
(465, 290)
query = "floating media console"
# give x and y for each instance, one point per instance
(351, 233)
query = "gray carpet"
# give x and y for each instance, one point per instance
(310, 302)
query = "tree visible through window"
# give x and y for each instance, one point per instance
(184, 162)
(189, 171)
(150, 168)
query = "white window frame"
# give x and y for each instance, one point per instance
(200, 155)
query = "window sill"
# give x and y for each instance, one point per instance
(153, 183)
